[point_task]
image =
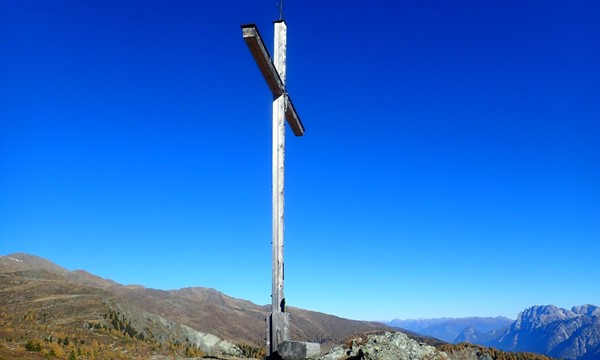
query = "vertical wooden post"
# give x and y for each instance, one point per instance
(273, 70)
(279, 319)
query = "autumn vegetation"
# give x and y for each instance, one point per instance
(495, 354)
(27, 337)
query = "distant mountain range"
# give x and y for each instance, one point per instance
(549, 330)
(451, 330)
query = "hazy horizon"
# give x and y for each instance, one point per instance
(379, 320)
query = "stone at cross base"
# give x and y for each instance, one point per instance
(298, 350)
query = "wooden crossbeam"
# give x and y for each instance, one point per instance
(263, 59)
(292, 117)
(267, 68)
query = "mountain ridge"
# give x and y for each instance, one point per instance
(204, 309)
(54, 316)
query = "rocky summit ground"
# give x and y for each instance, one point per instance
(388, 346)
(398, 346)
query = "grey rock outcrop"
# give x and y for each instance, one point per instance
(389, 346)
(211, 344)
(163, 329)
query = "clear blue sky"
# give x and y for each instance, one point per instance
(450, 165)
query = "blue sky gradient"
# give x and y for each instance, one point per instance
(449, 166)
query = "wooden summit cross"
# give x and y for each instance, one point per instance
(277, 340)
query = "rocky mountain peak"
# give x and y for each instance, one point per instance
(469, 335)
(560, 333)
(541, 315)
(21, 261)
(587, 310)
